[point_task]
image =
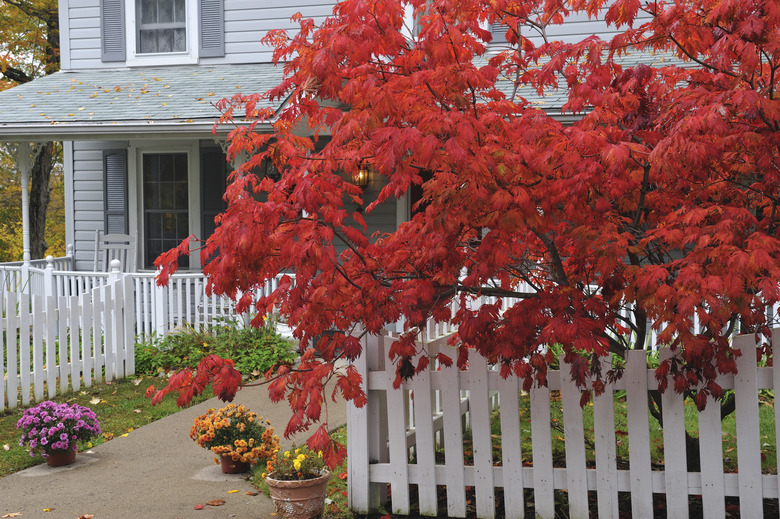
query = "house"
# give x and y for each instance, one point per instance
(134, 106)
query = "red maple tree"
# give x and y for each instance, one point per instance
(657, 208)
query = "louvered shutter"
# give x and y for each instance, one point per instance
(112, 30)
(212, 28)
(115, 191)
(499, 32)
(214, 171)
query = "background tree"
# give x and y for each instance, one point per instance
(657, 209)
(29, 48)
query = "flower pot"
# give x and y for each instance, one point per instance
(299, 499)
(233, 467)
(61, 458)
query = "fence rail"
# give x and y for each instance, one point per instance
(381, 453)
(53, 345)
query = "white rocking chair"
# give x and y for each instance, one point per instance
(109, 247)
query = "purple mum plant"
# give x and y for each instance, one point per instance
(50, 427)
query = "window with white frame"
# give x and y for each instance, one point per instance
(161, 32)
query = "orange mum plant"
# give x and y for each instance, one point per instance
(237, 432)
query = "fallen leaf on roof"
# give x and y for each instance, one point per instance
(48, 509)
(251, 493)
(117, 88)
(199, 507)
(216, 502)
(232, 491)
(12, 514)
(87, 516)
(81, 108)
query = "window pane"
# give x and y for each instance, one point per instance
(165, 11)
(179, 11)
(148, 11)
(179, 40)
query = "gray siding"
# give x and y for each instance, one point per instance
(246, 22)
(577, 27)
(88, 198)
(84, 35)
(381, 220)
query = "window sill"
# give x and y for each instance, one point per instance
(154, 60)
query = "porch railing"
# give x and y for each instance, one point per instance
(158, 310)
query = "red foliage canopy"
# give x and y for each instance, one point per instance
(657, 208)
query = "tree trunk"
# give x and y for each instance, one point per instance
(40, 192)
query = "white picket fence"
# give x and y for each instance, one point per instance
(57, 344)
(431, 413)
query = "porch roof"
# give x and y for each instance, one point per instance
(122, 103)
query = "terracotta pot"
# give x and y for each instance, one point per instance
(303, 499)
(61, 458)
(233, 467)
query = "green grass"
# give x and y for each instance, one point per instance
(728, 433)
(120, 407)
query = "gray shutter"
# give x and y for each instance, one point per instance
(213, 175)
(112, 30)
(499, 32)
(115, 191)
(212, 28)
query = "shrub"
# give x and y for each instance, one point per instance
(254, 350)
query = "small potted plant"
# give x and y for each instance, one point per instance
(297, 481)
(237, 435)
(54, 430)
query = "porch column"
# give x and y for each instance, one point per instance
(24, 156)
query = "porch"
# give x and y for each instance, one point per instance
(157, 310)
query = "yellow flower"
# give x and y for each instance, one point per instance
(297, 451)
(286, 454)
(297, 464)
(319, 454)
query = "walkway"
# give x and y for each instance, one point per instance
(156, 471)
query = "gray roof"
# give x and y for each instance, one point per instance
(126, 102)
(146, 102)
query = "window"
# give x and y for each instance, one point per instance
(162, 26)
(166, 206)
(161, 32)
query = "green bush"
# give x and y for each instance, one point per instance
(254, 350)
